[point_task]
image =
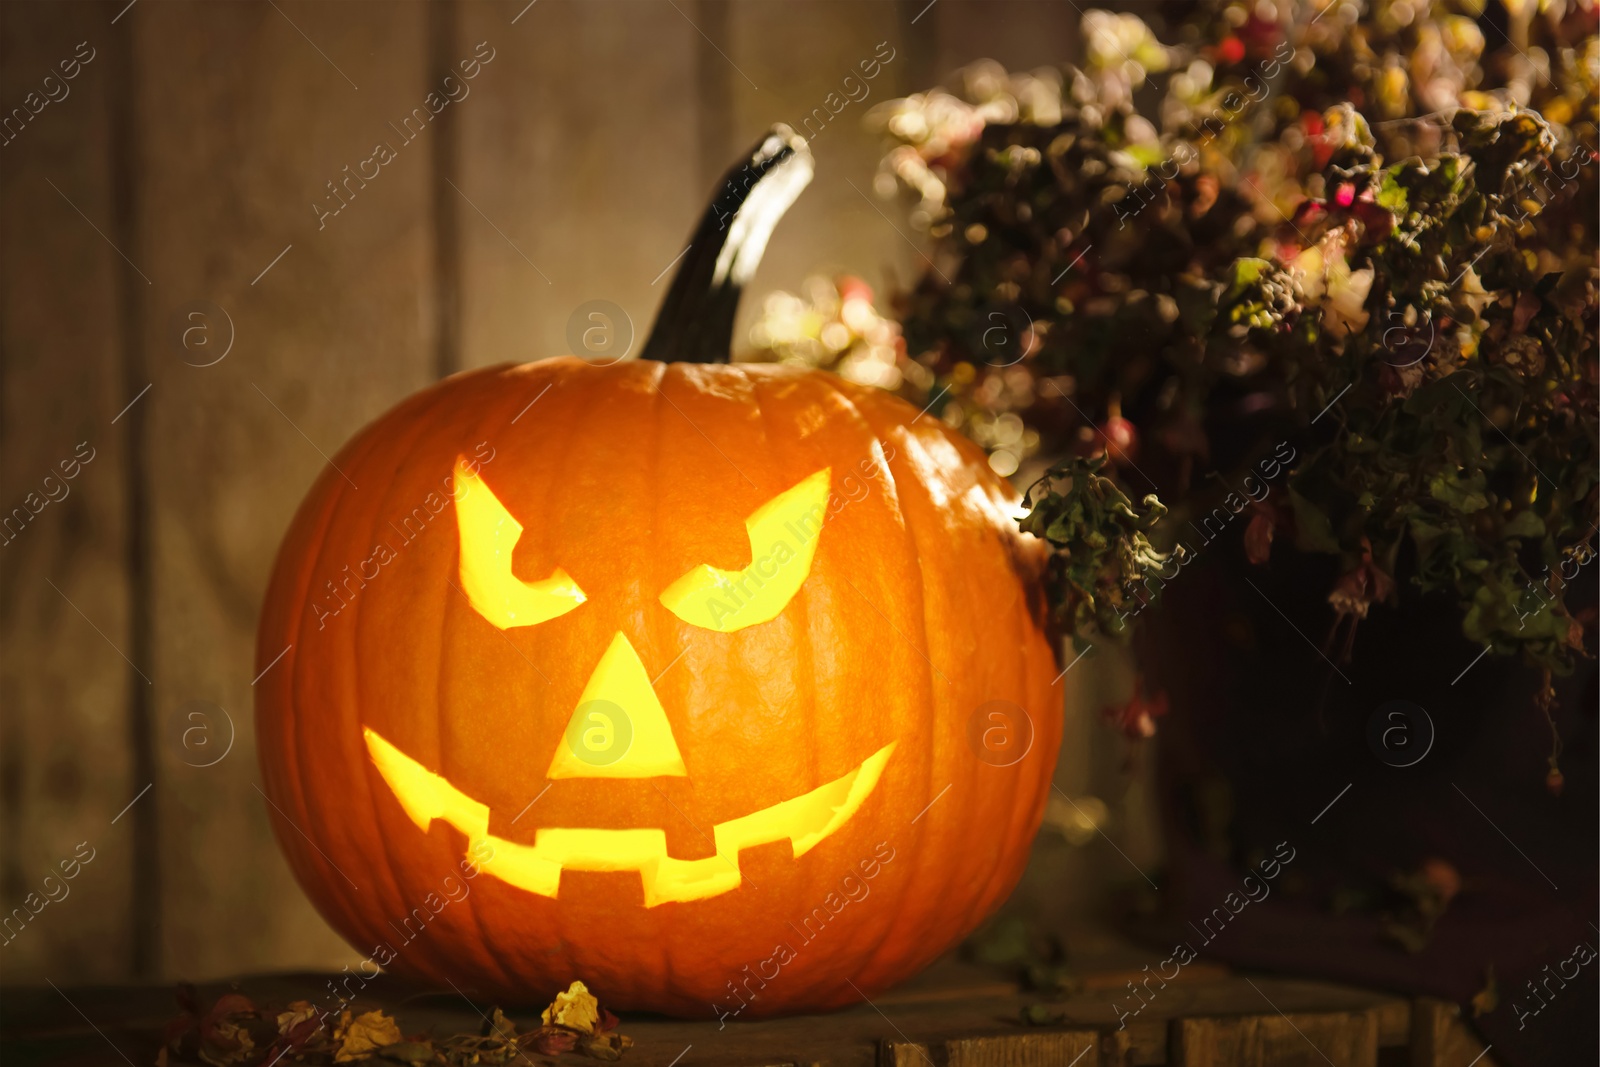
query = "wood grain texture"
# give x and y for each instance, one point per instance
(66, 764)
(578, 173)
(246, 113)
(955, 1013)
(1064, 1047)
(1349, 1039)
(806, 64)
(1117, 1048)
(1441, 1038)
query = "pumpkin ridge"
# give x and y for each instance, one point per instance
(358, 682)
(756, 382)
(892, 929)
(1027, 796)
(593, 417)
(487, 943)
(991, 799)
(354, 456)
(973, 811)
(284, 729)
(810, 878)
(578, 376)
(418, 958)
(845, 409)
(659, 936)
(573, 377)
(567, 376)
(301, 575)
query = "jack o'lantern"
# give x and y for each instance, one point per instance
(677, 677)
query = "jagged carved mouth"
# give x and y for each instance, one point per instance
(804, 821)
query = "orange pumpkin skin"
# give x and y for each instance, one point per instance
(921, 607)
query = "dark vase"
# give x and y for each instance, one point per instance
(1270, 744)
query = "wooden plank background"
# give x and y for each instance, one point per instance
(173, 300)
(75, 710)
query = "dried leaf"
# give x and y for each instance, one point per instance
(227, 1044)
(414, 1052)
(605, 1046)
(576, 1009)
(553, 1040)
(297, 1012)
(238, 1034)
(221, 1034)
(301, 1035)
(231, 1004)
(363, 1035)
(499, 1026)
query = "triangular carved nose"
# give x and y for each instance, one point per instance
(618, 729)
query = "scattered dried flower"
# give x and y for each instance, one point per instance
(576, 1009)
(363, 1034)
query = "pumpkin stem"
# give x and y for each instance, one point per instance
(695, 323)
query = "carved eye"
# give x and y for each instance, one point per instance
(488, 536)
(783, 539)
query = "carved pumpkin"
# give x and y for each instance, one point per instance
(674, 677)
